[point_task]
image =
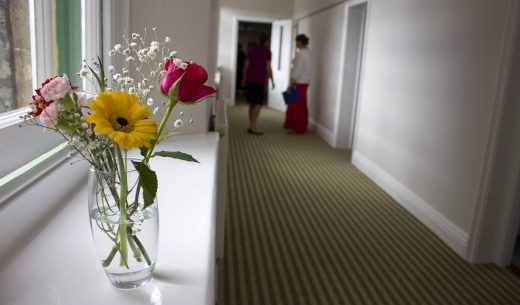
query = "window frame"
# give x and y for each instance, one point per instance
(40, 15)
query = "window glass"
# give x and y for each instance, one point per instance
(67, 19)
(15, 55)
(58, 47)
(16, 84)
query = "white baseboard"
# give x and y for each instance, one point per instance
(323, 132)
(446, 230)
(277, 106)
(227, 101)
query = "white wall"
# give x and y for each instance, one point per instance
(303, 8)
(427, 102)
(325, 31)
(191, 25)
(230, 9)
(44, 190)
(427, 98)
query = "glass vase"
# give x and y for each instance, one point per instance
(124, 230)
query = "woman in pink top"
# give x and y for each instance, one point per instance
(257, 69)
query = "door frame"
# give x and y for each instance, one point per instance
(234, 41)
(484, 234)
(337, 134)
(282, 59)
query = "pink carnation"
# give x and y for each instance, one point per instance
(82, 99)
(56, 88)
(49, 115)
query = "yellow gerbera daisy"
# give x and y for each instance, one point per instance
(122, 119)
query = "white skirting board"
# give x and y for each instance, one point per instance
(446, 230)
(227, 101)
(277, 106)
(323, 132)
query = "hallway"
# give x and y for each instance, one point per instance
(304, 226)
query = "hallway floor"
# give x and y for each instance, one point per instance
(304, 226)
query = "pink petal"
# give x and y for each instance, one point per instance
(195, 93)
(169, 65)
(192, 86)
(170, 78)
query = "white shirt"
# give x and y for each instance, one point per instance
(301, 69)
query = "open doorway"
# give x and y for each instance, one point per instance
(355, 20)
(248, 34)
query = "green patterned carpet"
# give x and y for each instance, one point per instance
(304, 226)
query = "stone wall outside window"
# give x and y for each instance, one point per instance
(15, 55)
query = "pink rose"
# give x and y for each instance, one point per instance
(191, 87)
(56, 88)
(49, 116)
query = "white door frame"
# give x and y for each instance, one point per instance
(280, 58)
(336, 134)
(483, 236)
(234, 42)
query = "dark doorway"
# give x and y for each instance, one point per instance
(248, 34)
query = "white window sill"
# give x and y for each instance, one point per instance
(58, 263)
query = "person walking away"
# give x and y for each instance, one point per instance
(257, 70)
(296, 116)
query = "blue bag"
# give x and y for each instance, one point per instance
(290, 96)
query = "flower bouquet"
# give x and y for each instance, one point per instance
(122, 189)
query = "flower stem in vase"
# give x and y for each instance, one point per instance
(122, 211)
(135, 250)
(143, 250)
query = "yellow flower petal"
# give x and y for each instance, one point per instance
(122, 119)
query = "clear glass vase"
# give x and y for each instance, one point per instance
(124, 230)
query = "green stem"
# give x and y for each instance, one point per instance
(137, 253)
(165, 119)
(122, 210)
(143, 250)
(106, 262)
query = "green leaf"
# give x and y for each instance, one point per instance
(176, 155)
(100, 82)
(143, 150)
(174, 91)
(148, 181)
(67, 102)
(102, 73)
(167, 135)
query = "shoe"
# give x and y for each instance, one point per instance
(256, 133)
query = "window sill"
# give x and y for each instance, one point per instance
(57, 264)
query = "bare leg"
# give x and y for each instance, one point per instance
(251, 107)
(254, 112)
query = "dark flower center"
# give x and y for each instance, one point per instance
(122, 122)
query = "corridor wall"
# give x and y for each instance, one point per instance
(192, 26)
(432, 80)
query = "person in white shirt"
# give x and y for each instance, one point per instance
(296, 116)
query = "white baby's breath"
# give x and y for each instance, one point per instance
(83, 72)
